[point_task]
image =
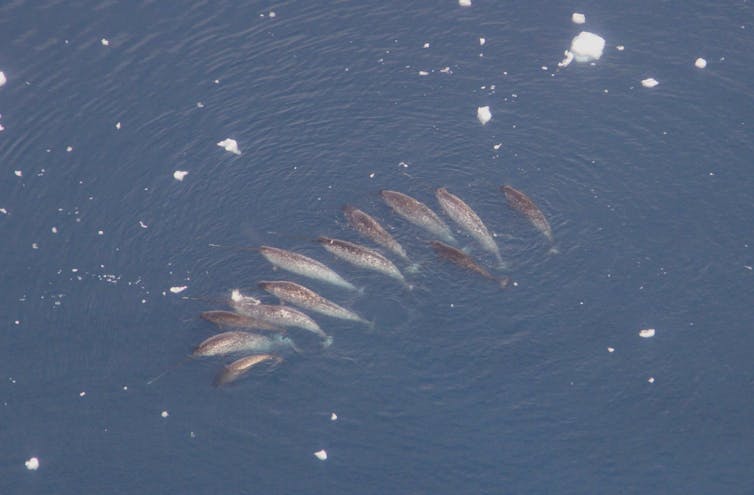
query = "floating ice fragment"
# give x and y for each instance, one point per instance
(18, 173)
(647, 333)
(497, 146)
(179, 174)
(272, 14)
(117, 125)
(3, 79)
(651, 379)
(54, 230)
(164, 414)
(333, 417)
(464, 3)
(69, 148)
(587, 47)
(230, 145)
(482, 41)
(700, 63)
(649, 82)
(567, 60)
(610, 349)
(423, 73)
(100, 232)
(32, 464)
(578, 18)
(321, 455)
(178, 289)
(620, 48)
(105, 42)
(82, 394)
(426, 45)
(483, 114)
(142, 225)
(3, 211)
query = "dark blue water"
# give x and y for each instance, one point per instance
(461, 388)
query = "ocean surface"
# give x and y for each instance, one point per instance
(460, 387)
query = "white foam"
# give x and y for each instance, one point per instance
(178, 289)
(321, 455)
(483, 114)
(32, 464)
(649, 82)
(578, 18)
(3, 79)
(230, 145)
(647, 333)
(700, 63)
(179, 174)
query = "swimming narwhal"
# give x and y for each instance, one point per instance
(370, 228)
(463, 215)
(306, 298)
(524, 205)
(417, 213)
(240, 367)
(304, 265)
(235, 342)
(282, 316)
(463, 260)
(237, 320)
(362, 257)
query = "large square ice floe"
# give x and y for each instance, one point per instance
(585, 47)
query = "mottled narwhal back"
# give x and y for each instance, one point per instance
(462, 214)
(304, 266)
(417, 213)
(370, 228)
(524, 205)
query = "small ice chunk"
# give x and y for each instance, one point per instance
(164, 414)
(464, 3)
(143, 225)
(272, 14)
(117, 125)
(321, 455)
(651, 379)
(69, 148)
(82, 394)
(179, 174)
(647, 333)
(700, 63)
(178, 289)
(610, 349)
(3, 211)
(620, 48)
(100, 232)
(105, 42)
(497, 146)
(482, 41)
(423, 73)
(3, 79)
(333, 417)
(426, 45)
(32, 464)
(54, 230)
(567, 59)
(587, 47)
(483, 114)
(18, 173)
(230, 145)
(578, 18)
(649, 82)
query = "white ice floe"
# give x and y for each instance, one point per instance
(105, 42)
(143, 225)
(3, 79)
(649, 82)
(423, 73)
(464, 3)
(117, 125)
(426, 45)
(647, 333)
(482, 41)
(578, 18)
(651, 379)
(18, 173)
(585, 47)
(164, 414)
(179, 174)
(32, 464)
(483, 114)
(700, 63)
(178, 289)
(321, 455)
(230, 145)
(610, 349)
(620, 48)
(333, 417)
(497, 146)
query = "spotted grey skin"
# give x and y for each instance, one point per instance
(361, 256)
(235, 342)
(370, 228)
(468, 220)
(238, 368)
(306, 298)
(418, 214)
(304, 266)
(282, 316)
(455, 255)
(524, 205)
(237, 320)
